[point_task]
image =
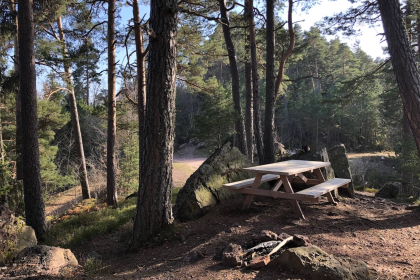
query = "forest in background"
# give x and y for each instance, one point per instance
(330, 93)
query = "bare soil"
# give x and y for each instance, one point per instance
(379, 232)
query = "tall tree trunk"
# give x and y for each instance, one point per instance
(141, 73)
(255, 85)
(236, 93)
(249, 124)
(284, 58)
(111, 180)
(19, 170)
(34, 202)
(154, 209)
(74, 115)
(403, 62)
(269, 154)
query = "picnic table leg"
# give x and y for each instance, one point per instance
(255, 185)
(321, 179)
(295, 203)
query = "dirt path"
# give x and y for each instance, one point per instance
(185, 163)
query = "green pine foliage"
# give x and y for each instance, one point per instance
(50, 119)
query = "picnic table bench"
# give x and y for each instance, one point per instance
(285, 173)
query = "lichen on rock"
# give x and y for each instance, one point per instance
(204, 188)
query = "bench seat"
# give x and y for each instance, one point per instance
(325, 187)
(248, 182)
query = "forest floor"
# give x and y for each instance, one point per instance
(382, 233)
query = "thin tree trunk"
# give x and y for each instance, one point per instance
(403, 62)
(249, 124)
(19, 170)
(269, 154)
(34, 202)
(74, 115)
(255, 85)
(111, 180)
(236, 94)
(154, 209)
(141, 73)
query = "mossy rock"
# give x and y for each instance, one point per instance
(14, 235)
(317, 264)
(204, 187)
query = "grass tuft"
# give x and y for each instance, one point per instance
(83, 226)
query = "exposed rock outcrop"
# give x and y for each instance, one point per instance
(204, 188)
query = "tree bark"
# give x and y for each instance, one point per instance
(34, 202)
(249, 124)
(403, 62)
(19, 170)
(154, 210)
(236, 94)
(141, 73)
(111, 180)
(255, 85)
(269, 154)
(74, 115)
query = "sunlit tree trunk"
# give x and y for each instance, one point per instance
(154, 209)
(141, 73)
(74, 115)
(403, 62)
(111, 180)
(269, 155)
(255, 85)
(34, 202)
(19, 171)
(236, 93)
(249, 124)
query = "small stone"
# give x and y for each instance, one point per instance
(282, 236)
(264, 236)
(232, 255)
(259, 261)
(194, 256)
(301, 240)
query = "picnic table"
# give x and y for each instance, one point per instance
(285, 173)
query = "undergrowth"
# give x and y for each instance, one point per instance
(89, 222)
(365, 189)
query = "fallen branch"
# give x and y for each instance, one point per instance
(284, 242)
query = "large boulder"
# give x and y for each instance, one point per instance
(313, 155)
(43, 260)
(14, 235)
(340, 165)
(204, 188)
(317, 264)
(390, 190)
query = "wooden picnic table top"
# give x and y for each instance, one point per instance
(289, 167)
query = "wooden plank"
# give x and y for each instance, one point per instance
(277, 185)
(301, 176)
(277, 194)
(255, 186)
(248, 182)
(289, 189)
(321, 178)
(289, 167)
(325, 187)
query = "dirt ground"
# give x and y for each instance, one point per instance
(379, 232)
